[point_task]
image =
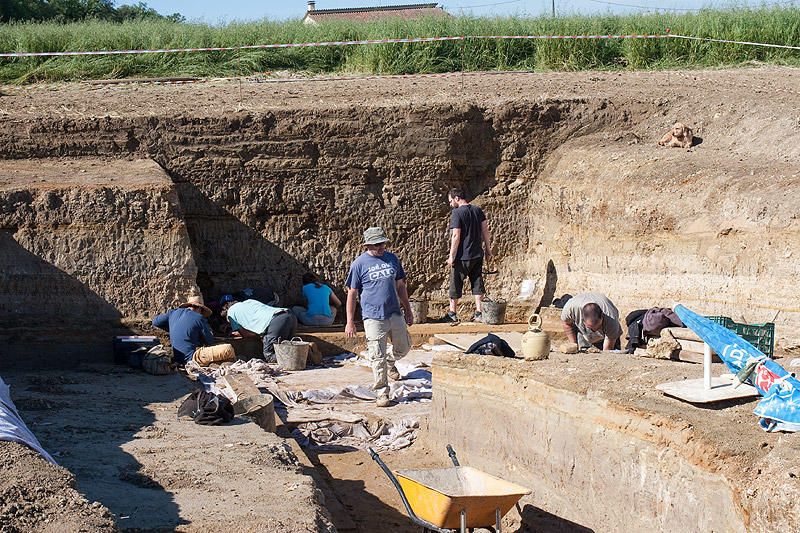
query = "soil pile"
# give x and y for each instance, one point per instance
(36, 495)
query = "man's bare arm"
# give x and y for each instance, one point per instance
(569, 331)
(402, 292)
(454, 240)
(350, 327)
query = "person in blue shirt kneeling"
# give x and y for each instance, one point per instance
(320, 298)
(190, 334)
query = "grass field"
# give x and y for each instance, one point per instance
(777, 25)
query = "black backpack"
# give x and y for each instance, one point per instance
(492, 345)
(206, 408)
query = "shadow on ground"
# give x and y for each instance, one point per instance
(366, 511)
(85, 418)
(535, 520)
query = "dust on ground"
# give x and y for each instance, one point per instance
(722, 436)
(38, 496)
(116, 430)
(212, 97)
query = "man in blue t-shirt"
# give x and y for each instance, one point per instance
(188, 329)
(377, 277)
(469, 244)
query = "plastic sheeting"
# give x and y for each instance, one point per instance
(381, 435)
(780, 408)
(13, 428)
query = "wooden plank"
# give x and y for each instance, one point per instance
(684, 334)
(465, 340)
(685, 356)
(692, 346)
(688, 356)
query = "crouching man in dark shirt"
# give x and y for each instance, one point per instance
(189, 332)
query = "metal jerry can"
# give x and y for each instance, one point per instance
(535, 342)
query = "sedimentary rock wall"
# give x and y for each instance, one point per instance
(602, 450)
(578, 195)
(87, 241)
(294, 191)
(717, 231)
(268, 196)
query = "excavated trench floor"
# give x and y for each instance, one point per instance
(584, 432)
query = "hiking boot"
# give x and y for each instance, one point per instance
(383, 401)
(394, 373)
(449, 318)
(477, 317)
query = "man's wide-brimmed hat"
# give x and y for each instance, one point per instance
(375, 235)
(197, 301)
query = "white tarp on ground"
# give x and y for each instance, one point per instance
(317, 413)
(379, 434)
(12, 427)
(382, 435)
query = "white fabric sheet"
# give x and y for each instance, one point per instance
(13, 428)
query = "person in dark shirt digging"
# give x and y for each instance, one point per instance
(470, 243)
(188, 329)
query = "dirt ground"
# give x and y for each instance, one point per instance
(116, 430)
(36, 496)
(224, 96)
(361, 498)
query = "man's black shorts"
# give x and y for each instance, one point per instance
(473, 269)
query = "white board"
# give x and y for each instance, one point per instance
(694, 391)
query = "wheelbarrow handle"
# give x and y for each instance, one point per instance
(411, 514)
(452, 453)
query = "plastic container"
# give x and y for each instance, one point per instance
(438, 495)
(493, 311)
(293, 354)
(131, 349)
(762, 336)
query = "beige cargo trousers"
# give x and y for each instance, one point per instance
(378, 332)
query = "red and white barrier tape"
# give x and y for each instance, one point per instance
(384, 41)
(708, 39)
(556, 37)
(324, 43)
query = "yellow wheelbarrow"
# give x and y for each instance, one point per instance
(461, 498)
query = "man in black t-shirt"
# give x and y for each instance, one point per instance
(469, 244)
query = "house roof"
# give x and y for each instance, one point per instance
(368, 14)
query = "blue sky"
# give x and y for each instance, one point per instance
(216, 11)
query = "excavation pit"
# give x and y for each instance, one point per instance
(117, 200)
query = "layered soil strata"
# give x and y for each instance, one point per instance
(273, 179)
(90, 240)
(601, 448)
